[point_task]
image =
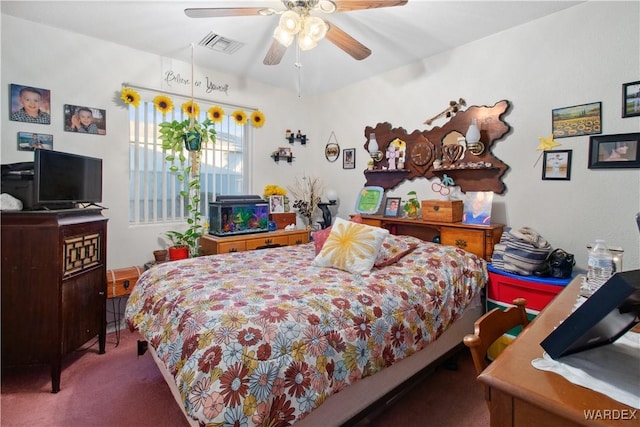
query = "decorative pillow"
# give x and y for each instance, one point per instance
(319, 237)
(394, 248)
(351, 247)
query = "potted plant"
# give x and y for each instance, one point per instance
(182, 244)
(176, 137)
(412, 205)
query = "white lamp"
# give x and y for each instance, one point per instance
(374, 148)
(332, 195)
(309, 29)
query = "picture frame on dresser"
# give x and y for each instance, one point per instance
(392, 206)
(614, 151)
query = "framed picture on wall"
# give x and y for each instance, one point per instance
(585, 119)
(85, 120)
(28, 141)
(557, 165)
(614, 151)
(349, 158)
(631, 99)
(30, 104)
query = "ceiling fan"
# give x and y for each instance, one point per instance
(297, 21)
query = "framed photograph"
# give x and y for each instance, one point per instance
(614, 151)
(477, 207)
(585, 119)
(349, 158)
(30, 104)
(332, 151)
(392, 206)
(631, 99)
(28, 141)
(85, 120)
(284, 151)
(276, 204)
(557, 165)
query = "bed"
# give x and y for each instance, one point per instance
(268, 337)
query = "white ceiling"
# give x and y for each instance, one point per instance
(396, 35)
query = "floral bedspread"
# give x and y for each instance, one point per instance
(263, 337)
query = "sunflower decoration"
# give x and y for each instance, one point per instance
(191, 109)
(240, 117)
(216, 114)
(163, 104)
(257, 119)
(130, 96)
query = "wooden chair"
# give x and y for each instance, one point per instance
(490, 327)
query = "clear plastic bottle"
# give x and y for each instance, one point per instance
(600, 266)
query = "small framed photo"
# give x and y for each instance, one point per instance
(276, 204)
(30, 104)
(85, 120)
(585, 119)
(28, 141)
(284, 151)
(349, 158)
(631, 99)
(392, 206)
(477, 207)
(557, 165)
(614, 151)
(332, 151)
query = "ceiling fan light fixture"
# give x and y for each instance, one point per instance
(290, 22)
(315, 27)
(285, 38)
(327, 6)
(306, 42)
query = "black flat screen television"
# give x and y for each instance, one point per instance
(603, 318)
(63, 180)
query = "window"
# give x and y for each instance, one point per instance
(154, 192)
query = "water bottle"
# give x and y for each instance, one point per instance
(600, 266)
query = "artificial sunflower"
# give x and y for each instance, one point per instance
(130, 96)
(257, 119)
(163, 104)
(191, 109)
(240, 117)
(216, 114)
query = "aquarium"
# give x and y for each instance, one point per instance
(233, 215)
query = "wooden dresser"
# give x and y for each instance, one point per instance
(211, 245)
(476, 239)
(53, 285)
(521, 395)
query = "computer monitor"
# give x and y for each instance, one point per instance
(603, 318)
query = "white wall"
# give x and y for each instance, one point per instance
(580, 55)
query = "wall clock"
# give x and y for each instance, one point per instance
(421, 153)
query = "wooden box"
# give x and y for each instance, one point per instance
(120, 281)
(283, 219)
(442, 210)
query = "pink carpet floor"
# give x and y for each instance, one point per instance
(121, 389)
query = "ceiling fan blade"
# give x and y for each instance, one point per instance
(217, 12)
(275, 53)
(349, 5)
(347, 43)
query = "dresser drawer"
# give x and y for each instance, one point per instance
(299, 239)
(267, 241)
(226, 247)
(469, 240)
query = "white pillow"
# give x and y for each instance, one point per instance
(351, 247)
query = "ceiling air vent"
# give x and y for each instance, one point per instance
(221, 44)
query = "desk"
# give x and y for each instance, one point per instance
(521, 395)
(477, 239)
